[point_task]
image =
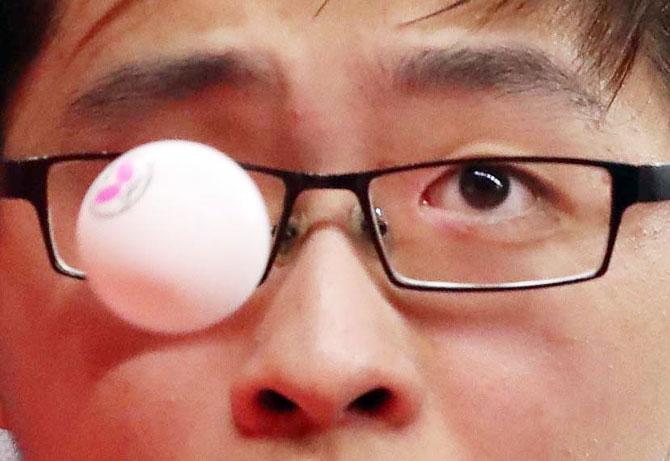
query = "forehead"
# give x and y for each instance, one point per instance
(89, 24)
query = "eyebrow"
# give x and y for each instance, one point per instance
(505, 70)
(137, 87)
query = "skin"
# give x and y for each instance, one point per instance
(578, 372)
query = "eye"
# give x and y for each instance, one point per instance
(484, 188)
(485, 192)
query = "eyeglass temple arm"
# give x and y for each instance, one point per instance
(13, 181)
(654, 183)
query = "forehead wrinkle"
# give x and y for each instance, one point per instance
(321, 8)
(425, 17)
(107, 18)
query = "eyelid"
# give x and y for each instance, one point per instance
(540, 187)
(546, 187)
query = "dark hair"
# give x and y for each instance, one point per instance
(24, 26)
(615, 33)
(618, 32)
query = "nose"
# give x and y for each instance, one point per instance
(330, 351)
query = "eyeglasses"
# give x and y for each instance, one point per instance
(473, 224)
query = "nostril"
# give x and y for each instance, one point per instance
(372, 402)
(275, 409)
(275, 402)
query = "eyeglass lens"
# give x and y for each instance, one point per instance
(495, 223)
(68, 182)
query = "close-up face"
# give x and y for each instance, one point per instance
(329, 359)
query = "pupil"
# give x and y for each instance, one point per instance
(484, 188)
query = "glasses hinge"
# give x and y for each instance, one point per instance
(654, 183)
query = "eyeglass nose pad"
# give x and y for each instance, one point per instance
(380, 221)
(290, 234)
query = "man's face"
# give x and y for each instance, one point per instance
(373, 371)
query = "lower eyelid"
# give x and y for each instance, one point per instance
(494, 231)
(442, 217)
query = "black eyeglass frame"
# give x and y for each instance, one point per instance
(26, 179)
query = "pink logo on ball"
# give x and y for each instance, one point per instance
(123, 175)
(123, 185)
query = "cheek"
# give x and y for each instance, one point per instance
(504, 391)
(556, 383)
(23, 256)
(642, 244)
(148, 405)
(27, 283)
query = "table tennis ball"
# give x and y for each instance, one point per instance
(173, 236)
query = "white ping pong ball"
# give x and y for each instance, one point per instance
(173, 236)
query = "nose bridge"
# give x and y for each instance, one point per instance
(324, 304)
(309, 318)
(324, 200)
